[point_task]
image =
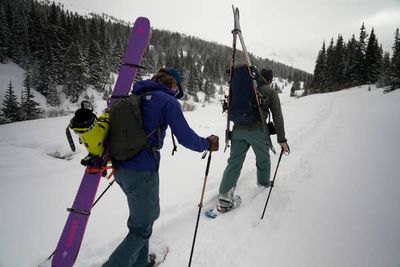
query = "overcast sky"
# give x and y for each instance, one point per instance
(290, 30)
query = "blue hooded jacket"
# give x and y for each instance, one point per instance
(159, 110)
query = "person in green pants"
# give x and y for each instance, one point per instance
(246, 135)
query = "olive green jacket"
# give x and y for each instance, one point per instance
(274, 105)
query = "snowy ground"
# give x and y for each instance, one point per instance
(336, 200)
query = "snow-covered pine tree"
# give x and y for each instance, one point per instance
(339, 64)
(320, 70)
(75, 78)
(20, 44)
(209, 90)
(360, 56)
(45, 82)
(10, 111)
(193, 85)
(4, 35)
(53, 45)
(395, 62)
(384, 76)
(350, 74)
(36, 33)
(373, 59)
(30, 109)
(95, 66)
(330, 68)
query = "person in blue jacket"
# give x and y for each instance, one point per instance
(138, 177)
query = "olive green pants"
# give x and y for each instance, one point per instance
(240, 144)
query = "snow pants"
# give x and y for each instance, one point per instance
(241, 141)
(142, 191)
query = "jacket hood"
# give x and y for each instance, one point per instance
(141, 87)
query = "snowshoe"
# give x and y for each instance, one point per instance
(157, 256)
(223, 206)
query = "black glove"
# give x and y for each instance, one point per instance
(213, 142)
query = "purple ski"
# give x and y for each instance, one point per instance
(71, 238)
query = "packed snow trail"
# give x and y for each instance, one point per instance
(335, 202)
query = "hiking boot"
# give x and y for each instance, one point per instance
(267, 185)
(224, 206)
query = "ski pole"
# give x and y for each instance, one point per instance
(200, 206)
(272, 184)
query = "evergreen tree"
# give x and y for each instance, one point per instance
(75, 78)
(30, 109)
(171, 58)
(11, 111)
(4, 35)
(360, 57)
(53, 16)
(339, 69)
(10, 18)
(20, 43)
(395, 62)
(209, 90)
(373, 59)
(181, 65)
(320, 70)
(95, 65)
(53, 33)
(149, 60)
(330, 68)
(384, 77)
(36, 33)
(351, 75)
(45, 82)
(117, 52)
(193, 83)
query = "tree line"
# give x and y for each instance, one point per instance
(359, 61)
(63, 53)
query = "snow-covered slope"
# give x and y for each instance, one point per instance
(335, 202)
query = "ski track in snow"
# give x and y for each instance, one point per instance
(334, 202)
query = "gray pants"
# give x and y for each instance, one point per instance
(142, 191)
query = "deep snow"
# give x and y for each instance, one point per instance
(335, 203)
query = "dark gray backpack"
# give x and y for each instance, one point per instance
(127, 135)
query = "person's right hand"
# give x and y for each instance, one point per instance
(213, 142)
(285, 147)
